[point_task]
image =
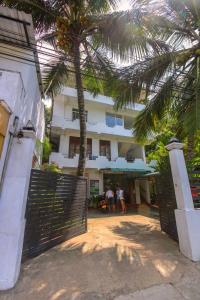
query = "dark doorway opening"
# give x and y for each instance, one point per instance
(126, 182)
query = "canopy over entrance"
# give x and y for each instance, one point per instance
(134, 173)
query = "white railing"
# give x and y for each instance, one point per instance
(96, 127)
(101, 162)
(72, 92)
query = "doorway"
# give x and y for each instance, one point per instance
(126, 182)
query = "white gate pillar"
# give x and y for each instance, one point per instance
(187, 218)
(13, 200)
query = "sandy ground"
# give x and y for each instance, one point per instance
(123, 257)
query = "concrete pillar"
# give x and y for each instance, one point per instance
(143, 154)
(187, 218)
(114, 150)
(95, 147)
(147, 191)
(101, 183)
(13, 200)
(64, 145)
(137, 192)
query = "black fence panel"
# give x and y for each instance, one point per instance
(167, 202)
(195, 187)
(56, 210)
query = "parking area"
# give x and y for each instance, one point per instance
(121, 257)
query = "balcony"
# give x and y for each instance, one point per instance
(72, 92)
(99, 128)
(100, 162)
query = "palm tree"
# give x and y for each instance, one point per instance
(171, 80)
(84, 33)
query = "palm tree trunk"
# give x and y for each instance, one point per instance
(81, 107)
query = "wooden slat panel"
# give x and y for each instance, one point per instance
(167, 202)
(56, 210)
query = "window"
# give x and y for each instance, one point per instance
(75, 114)
(94, 187)
(112, 120)
(4, 118)
(105, 149)
(74, 146)
(128, 122)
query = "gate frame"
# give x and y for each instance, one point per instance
(187, 218)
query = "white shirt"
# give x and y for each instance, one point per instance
(121, 194)
(109, 194)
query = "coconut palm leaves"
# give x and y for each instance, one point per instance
(170, 78)
(81, 32)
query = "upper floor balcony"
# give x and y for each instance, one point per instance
(99, 162)
(72, 92)
(93, 127)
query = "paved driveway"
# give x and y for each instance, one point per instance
(121, 257)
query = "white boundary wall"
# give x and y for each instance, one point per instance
(19, 89)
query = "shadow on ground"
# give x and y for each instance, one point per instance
(118, 255)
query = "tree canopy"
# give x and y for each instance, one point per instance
(169, 78)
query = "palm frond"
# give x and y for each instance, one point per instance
(100, 6)
(121, 34)
(187, 107)
(55, 76)
(145, 124)
(50, 38)
(97, 68)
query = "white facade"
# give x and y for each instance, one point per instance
(20, 93)
(119, 139)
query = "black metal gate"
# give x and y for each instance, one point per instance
(56, 210)
(195, 187)
(167, 201)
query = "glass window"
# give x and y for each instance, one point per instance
(105, 149)
(75, 114)
(74, 146)
(119, 121)
(128, 122)
(112, 120)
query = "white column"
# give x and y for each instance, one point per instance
(147, 191)
(137, 192)
(187, 218)
(180, 176)
(95, 147)
(64, 145)
(13, 200)
(143, 153)
(114, 150)
(101, 190)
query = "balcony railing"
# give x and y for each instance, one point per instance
(98, 162)
(96, 127)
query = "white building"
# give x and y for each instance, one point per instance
(20, 108)
(113, 156)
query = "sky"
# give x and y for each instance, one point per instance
(125, 5)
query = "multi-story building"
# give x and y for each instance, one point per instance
(113, 155)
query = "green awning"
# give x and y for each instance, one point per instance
(125, 170)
